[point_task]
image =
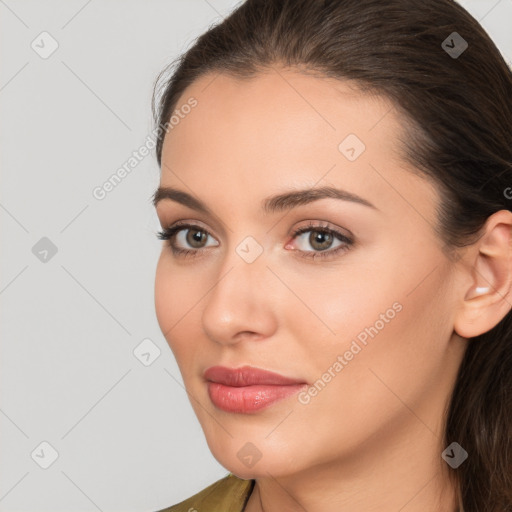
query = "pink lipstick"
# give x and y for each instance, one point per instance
(248, 389)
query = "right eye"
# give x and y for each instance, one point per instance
(190, 234)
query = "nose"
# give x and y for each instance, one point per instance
(242, 303)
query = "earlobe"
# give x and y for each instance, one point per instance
(488, 268)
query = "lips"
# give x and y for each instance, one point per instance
(246, 376)
(248, 389)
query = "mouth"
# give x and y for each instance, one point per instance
(248, 389)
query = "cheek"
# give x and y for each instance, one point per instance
(175, 297)
(389, 344)
(164, 295)
(337, 307)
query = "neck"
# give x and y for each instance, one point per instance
(401, 477)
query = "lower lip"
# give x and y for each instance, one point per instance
(247, 399)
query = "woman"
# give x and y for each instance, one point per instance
(335, 281)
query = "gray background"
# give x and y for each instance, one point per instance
(126, 436)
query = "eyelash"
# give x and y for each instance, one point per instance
(168, 234)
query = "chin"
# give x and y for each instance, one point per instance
(246, 461)
(259, 470)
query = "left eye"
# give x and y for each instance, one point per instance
(320, 239)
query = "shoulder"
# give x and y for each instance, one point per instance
(229, 493)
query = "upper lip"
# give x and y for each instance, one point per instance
(247, 376)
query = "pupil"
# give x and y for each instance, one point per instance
(318, 238)
(195, 236)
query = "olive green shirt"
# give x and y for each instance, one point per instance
(229, 494)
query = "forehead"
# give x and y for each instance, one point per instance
(282, 129)
(276, 110)
(279, 106)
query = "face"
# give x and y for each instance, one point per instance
(356, 308)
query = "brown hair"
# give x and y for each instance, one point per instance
(459, 110)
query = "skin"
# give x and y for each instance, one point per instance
(372, 438)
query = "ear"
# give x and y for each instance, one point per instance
(486, 296)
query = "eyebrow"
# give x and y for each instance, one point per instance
(273, 204)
